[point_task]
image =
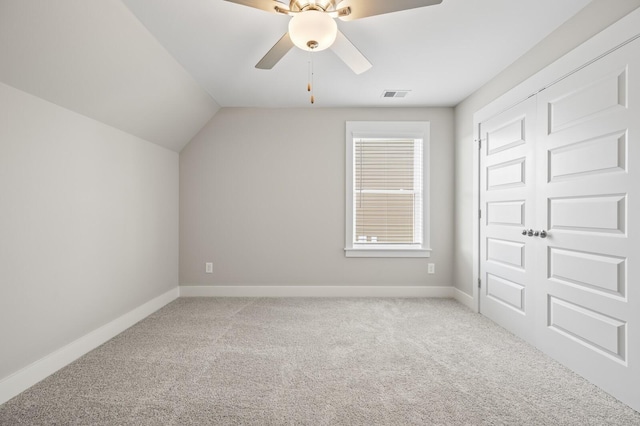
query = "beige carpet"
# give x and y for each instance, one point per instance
(315, 362)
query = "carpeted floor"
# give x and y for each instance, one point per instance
(315, 362)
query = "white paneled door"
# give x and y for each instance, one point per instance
(564, 167)
(588, 200)
(507, 181)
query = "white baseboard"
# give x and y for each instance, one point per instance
(465, 299)
(316, 291)
(44, 367)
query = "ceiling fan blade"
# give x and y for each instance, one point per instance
(276, 53)
(350, 54)
(266, 5)
(365, 8)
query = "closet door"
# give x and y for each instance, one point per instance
(507, 194)
(588, 203)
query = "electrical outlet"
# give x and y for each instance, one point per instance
(208, 267)
(431, 268)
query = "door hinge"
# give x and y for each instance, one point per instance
(479, 213)
(479, 282)
(479, 143)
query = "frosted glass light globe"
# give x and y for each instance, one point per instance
(313, 28)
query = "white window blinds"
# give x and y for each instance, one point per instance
(387, 191)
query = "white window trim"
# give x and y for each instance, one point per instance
(387, 129)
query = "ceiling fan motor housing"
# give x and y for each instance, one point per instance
(302, 5)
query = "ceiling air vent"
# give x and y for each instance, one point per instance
(395, 93)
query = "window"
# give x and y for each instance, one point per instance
(386, 187)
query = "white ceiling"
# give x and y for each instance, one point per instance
(441, 53)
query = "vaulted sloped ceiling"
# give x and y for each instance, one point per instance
(95, 58)
(160, 69)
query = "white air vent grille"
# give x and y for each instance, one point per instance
(395, 93)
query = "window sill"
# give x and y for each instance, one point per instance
(386, 252)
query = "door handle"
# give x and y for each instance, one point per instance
(532, 233)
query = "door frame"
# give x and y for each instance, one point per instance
(620, 33)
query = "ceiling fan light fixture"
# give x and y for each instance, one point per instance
(312, 30)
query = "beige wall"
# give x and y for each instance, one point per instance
(595, 17)
(262, 196)
(88, 226)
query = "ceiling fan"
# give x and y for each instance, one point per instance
(313, 28)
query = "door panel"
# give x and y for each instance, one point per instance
(509, 253)
(598, 213)
(506, 197)
(588, 191)
(506, 175)
(601, 155)
(509, 213)
(595, 98)
(508, 136)
(587, 327)
(589, 271)
(505, 291)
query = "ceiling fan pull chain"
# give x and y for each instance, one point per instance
(311, 84)
(309, 74)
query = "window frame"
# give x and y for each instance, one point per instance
(383, 130)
